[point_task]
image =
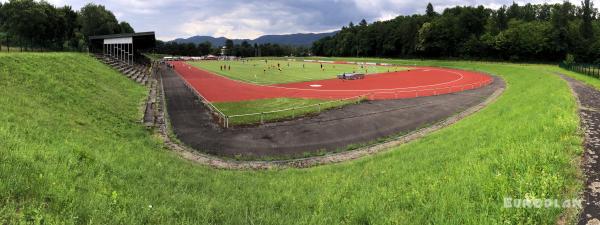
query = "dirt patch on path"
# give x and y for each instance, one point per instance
(329, 131)
(589, 112)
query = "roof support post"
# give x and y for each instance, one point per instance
(130, 56)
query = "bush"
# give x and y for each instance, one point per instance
(569, 60)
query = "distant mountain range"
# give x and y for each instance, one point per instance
(284, 39)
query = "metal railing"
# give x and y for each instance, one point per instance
(220, 116)
(587, 69)
(293, 112)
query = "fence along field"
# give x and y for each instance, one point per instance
(288, 111)
(587, 69)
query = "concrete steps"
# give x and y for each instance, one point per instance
(135, 72)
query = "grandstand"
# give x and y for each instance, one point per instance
(123, 52)
(140, 73)
(124, 47)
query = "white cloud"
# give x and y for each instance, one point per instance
(252, 18)
(217, 28)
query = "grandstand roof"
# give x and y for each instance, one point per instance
(110, 36)
(140, 41)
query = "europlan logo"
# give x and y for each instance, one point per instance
(542, 203)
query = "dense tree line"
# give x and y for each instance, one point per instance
(244, 49)
(517, 32)
(31, 24)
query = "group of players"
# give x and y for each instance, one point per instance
(279, 67)
(225, 67)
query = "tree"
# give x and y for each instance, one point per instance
(125, 28)
(524, 40)
(204, 48)
(3, 34)
(544, 12)
(528, 12)
(26, 20)
(96, 20)
(52, 35)
(229, 46)
(430, 12)
(586, 29)
(514, 11)
(363, 23)
(530, 32)
(501, 18)
(40, 25)
(560, 32)
(70, 27)
(423, 37)
(569, 60)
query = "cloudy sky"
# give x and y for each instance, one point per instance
(252, 18)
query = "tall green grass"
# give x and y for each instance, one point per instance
(73, 151)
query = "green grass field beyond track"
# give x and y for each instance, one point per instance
(74, 152)
(261, 72)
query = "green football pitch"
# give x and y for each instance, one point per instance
(266, 72)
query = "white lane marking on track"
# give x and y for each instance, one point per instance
(315, 85)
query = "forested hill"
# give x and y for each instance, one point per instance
(284, 39)
(39, 25)
(517, 32)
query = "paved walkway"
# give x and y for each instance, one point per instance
(589, 112)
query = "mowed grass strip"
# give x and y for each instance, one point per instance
(267, 110)
(266, 72)
(73, 152)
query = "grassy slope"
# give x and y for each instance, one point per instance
(254, 71)
(73, 152)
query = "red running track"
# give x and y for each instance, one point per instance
(417, 82)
